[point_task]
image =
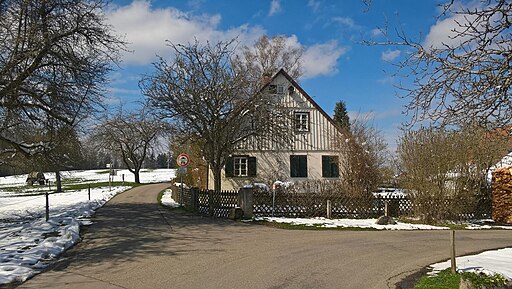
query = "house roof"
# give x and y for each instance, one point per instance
(303, 92)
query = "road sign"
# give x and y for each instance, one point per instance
(183, 160)
(182, 170)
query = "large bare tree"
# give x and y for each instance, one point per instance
(466, 78)
(132, 136)
(54, 59)
(211, 103)
(267, 56)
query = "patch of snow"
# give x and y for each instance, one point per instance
(390, 193)
(28, 243)
(489, 262)
(349, 223)
(179, 185)
(167, 200)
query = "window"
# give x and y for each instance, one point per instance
(298, 166)
(302, 121)
(330, 167)
(272, 88)
(240, 166)
(280, 89)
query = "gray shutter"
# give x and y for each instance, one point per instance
(326, 167)
(230, 166)
(251, 166)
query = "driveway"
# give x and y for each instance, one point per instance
(135, 243)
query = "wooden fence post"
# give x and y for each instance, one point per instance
(245, 201)
(329, 210)
(452, 251)
(47, 209)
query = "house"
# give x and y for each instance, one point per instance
(312, 155)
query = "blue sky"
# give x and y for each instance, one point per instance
(337, 66)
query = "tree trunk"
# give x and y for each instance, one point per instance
(217, 172)
(58, 181)
(136, 172)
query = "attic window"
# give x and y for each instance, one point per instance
(280, 89)
(291, 89)
(301, 121)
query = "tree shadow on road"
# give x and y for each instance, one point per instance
(124, 232)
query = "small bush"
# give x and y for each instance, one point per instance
(481, 280)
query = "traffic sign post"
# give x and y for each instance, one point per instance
(183, 161)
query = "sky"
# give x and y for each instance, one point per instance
(338, 66)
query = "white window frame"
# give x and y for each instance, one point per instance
(301, 121)
(240, 166)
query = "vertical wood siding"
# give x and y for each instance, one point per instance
(321, 130)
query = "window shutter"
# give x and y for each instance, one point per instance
(326, 167)
(229, 167)
(335, 168)
(251, 166)
(303, 166)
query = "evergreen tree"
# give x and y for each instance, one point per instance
(340, 115)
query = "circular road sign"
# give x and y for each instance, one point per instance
(183, 160)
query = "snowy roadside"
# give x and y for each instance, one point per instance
(28, 243)
(348, 223)
(167, 199)
(488, 262)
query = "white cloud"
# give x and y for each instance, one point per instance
(321, 59)
(147, 29)
(314, 4)
(376, 32)
(275, 7)
(442, 33)
(390, 55)
(347, 21)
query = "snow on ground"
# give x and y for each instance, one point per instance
(489, 262)
(167, 200)
(349, 223)
(146, 176)
(27, 242)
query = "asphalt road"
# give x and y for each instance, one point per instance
(135, 243)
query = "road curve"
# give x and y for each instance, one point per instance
(135, 243)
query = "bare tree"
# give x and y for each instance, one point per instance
(267, 56)
(466, 78)
(438, 163)
(132, 136)
(54, 59)
(365, 153)
(211, 103)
